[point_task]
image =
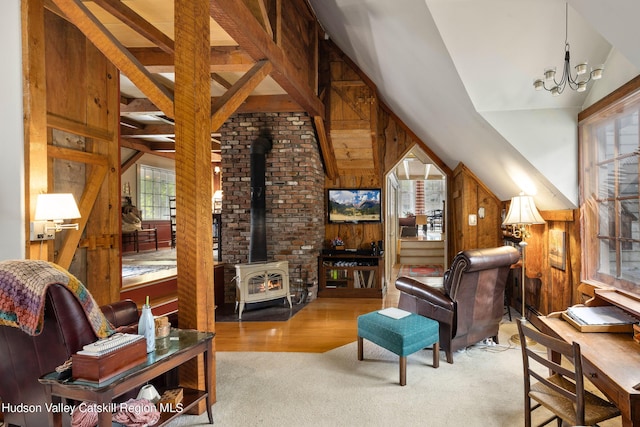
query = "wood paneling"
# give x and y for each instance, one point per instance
(352, 111)
(351, 129)
(82, 100)
(559, 287)
(468, 194)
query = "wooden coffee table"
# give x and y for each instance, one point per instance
(183, 345)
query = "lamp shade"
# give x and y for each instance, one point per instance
(523, 211)
(56, 207)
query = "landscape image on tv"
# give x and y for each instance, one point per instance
(354, 205)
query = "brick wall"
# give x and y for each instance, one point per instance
(294, 193)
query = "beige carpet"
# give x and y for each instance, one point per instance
(482, 388)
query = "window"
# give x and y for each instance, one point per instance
(421, 196)
(156, 185)
(610, 195)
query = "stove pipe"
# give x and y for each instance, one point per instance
(258, 243)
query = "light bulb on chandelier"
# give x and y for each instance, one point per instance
(549, 83)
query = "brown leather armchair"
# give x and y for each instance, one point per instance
(25, 358)
(470, 305)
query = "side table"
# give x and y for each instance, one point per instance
(183, 346)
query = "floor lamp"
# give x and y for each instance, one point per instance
(522, 213)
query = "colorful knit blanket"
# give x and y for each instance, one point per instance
(23, 289)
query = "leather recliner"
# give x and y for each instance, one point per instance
(470, 305)
(25, 358)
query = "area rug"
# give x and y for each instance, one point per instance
(433, 270)
(132, 270)
(483, 388)
(270, 311)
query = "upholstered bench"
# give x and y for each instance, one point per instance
(403, 336)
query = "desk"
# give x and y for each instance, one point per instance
(611, 361)
(183, 346)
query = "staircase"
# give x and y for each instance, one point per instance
(421, 252)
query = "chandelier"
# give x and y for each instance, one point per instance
(577, 83)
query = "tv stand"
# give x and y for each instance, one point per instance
(349, 274)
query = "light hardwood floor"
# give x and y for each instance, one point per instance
(324, 324)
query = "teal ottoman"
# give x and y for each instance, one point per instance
(403, 336)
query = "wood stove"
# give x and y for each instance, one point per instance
(261, 281)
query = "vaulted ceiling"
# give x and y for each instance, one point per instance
(459, 73)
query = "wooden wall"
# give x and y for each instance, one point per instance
(82, 118)
(559, 287)
(468, 194)
(351, 108)
(354, 112)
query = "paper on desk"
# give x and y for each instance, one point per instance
(604, 315)
(394, 313)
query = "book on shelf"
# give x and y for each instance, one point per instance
(372, 275)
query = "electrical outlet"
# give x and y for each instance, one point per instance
(38, 231)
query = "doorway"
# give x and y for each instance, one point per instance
(415, 231)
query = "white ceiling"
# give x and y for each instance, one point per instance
(459, 73)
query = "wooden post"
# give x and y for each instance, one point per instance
(35, 116)
(192, 112)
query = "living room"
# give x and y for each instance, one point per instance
(302, 227)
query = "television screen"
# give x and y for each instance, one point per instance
(354, 205)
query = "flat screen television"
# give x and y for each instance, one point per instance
(354, 205)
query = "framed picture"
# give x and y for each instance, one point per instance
(557, 251)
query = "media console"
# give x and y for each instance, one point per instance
(351, 275)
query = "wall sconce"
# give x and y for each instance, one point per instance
(216, 169)
(481, 212)
(51, 211)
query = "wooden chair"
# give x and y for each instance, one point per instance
(562, 392)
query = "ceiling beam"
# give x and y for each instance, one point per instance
(170, 146)
(328, 155)
(252, 104)
(227, 104)
(236, 19)
(130, 161)
(221, 80)
(137, 23)
(95, 31)
(144, 148)
(222, 59)
(148, 130)
(130, 123)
